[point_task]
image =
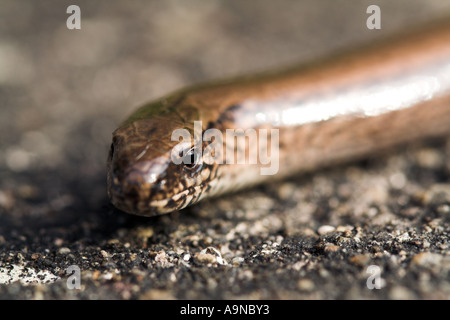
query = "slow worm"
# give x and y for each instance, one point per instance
(331, 111)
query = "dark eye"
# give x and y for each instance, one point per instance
(111, 150)
(192, 159)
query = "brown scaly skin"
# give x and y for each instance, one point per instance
(142, 179)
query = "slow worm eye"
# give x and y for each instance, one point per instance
(111, 150)
(192, 159)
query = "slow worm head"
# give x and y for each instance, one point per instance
(141, 175)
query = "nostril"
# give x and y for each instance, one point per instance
(132, 192)
(111, 150)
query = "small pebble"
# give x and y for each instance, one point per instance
(305, 284)
(237, 261)
(186, 257)
(360, 260)
(64, 250)
(329, 247)
(325, 229)
(426, 259)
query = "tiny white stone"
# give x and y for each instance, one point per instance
(107, 276)
(237, 260)
(26, 276)
(325, 229)
(397, 180)
(64, 250)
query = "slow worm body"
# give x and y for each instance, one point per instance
(327, 112)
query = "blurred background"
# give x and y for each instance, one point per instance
(62, 93)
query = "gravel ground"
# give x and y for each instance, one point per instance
(62, 93)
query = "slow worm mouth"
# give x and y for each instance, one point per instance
(155, 207)
(136, 203)
(179, 200)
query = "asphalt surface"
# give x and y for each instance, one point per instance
(316, 236)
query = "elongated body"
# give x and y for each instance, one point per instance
(330, 111)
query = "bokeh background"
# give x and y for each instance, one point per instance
(62, 93)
